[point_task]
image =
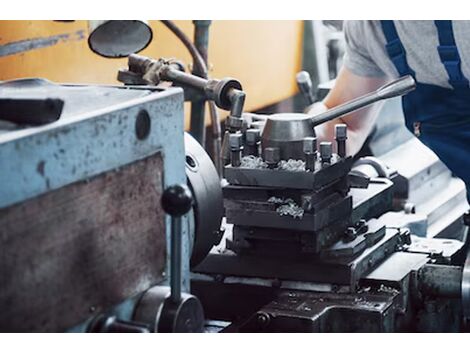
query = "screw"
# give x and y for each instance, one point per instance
(253, 137)
(325, 152)
(310, 152)
(263, 319)
(272, 156)
(350, 234)
(236, 146)
(341, 131)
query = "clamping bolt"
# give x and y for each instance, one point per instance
(252, 138)
(310, 152)
(272, 156)
(236, 147)
(341, 134)
(325, 152)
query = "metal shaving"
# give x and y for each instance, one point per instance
(387, 289)
(287, 207)
(276, 200)
(291, 165)
(256, 162)
(253, 162)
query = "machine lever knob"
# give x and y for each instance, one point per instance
(304, 82)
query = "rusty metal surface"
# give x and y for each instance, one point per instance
(70, 253)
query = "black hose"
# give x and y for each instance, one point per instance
(197, 58)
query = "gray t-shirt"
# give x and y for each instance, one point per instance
(366, 54)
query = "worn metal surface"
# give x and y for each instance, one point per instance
(443, 250)
(340, 270)
(294, 311)
(81, 145)
(247, 214)
(288, 179)
(441, 280)
(373, 201)
(82, 248)
(101, 129)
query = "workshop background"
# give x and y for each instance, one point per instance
(59, 51)
(114, 219)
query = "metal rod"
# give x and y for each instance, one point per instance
(175, 259)
(177, 76)
(197, 58)
(395, 88)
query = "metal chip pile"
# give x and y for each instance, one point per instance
(287, 207)
(256, 162)
(291, 165)
(253, 162)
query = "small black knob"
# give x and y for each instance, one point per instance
(177, 200)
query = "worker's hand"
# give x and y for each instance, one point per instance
(316, 108)
(349, 86)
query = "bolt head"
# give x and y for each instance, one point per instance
(235, 140)
(310, 145)
(341, 131)
(252, 136)
(272, 155)
(326, 150)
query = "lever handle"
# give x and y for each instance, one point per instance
(176, 201)
(304, 82)
(395, 88)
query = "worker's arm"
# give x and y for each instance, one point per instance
(347, 87)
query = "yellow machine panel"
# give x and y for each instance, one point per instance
(59, 52)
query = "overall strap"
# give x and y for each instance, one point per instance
(395, 49)
(449, 54)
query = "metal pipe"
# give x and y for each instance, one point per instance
(395, 88)
(198, 111)
(170, 74)
(199, 54)
(216, 138)
(197, 58)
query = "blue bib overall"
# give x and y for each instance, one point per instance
(439, 117)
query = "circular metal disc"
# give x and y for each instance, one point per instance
(207, 192)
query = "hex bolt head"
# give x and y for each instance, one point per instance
(252, 136)
(310, 145)
(326, 151)
(341, 132)
(272, 156)
(235, 141)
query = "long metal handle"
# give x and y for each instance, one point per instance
(395, 88)
(176, 201)
(175, 258)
